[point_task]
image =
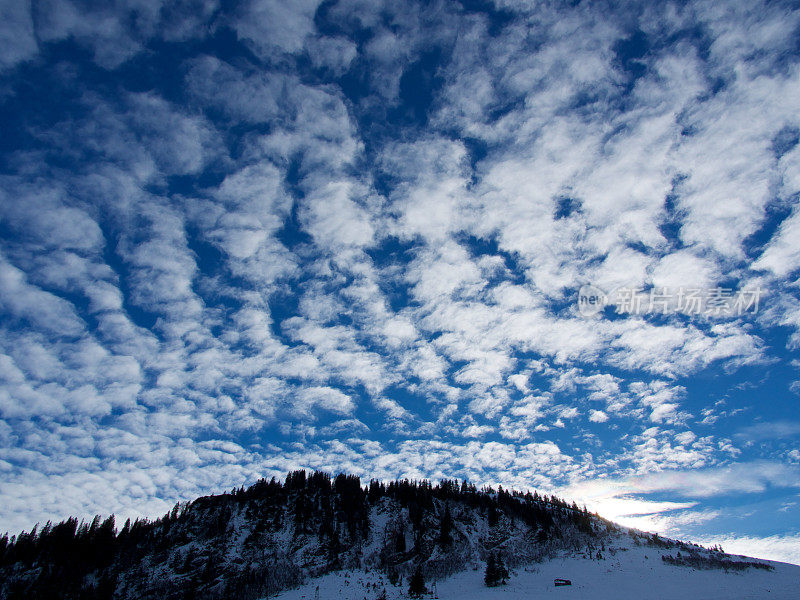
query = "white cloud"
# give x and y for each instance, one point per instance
(241, 95)
(332, 215)
(782, 548)
(684, 269)
(334, 53)
(17, 39)
(326, 398)
(782, 254)
(42, 309)
(271, 24)
(737, 478)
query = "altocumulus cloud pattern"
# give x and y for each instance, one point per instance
(238, 238)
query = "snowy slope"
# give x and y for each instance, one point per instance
(633, 572)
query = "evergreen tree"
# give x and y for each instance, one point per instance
(416, 586)
(446, 527)
(491, 577)
(542, 536)
(502, 572)
(491, 516)
(496, 572)
(334, 548)
(400, 539)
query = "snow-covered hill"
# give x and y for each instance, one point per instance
(316, 533)
(630, 573)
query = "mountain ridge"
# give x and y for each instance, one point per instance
(276, 535)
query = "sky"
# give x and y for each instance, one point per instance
(547, 245)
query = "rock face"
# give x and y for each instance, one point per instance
(274, 535)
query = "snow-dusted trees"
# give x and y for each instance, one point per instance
(496, 572)
(259, 540)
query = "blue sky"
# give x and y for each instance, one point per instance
(245, 238)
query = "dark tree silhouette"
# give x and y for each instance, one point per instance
(491, 516)
(400, 539)
(416, 586)
(491, 576)
(496, 572)
(446, 527)
(502, 572)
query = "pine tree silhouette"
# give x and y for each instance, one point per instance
(446, 527)
(491, 576)
(416, 586)
(502, 572)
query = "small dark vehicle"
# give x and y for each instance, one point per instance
(562, 582)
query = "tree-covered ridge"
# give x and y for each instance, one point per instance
(258, 540)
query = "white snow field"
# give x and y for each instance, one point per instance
(631, 573)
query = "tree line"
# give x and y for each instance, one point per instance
(188, 552)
